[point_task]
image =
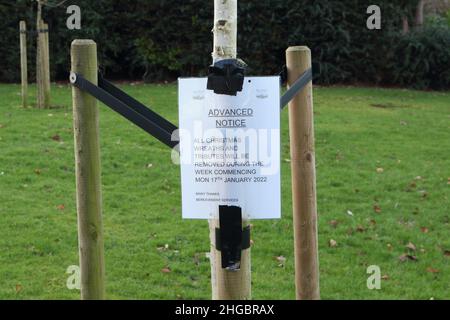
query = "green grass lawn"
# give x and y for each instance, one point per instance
(383, 181)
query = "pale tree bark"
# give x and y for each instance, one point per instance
(419, 13)
(225, 284)
(225, 30)
(405, 27)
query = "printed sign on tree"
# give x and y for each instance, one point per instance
(230, 149)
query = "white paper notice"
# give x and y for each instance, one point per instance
(230, 149)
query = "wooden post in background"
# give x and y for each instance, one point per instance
(88, 176)
(227, 285)
(46, 65)
(24, 63)
(301, 131)
(39, 82)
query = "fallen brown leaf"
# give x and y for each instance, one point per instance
(411, 246)
(385, 277)
(18, 288)
(424, 229)
(376, 208)
(404, 257)
(166, 270)
(423, 193)
(163, 248)
(334, 223)
(61, 207)
(432, 270)
(281, 260)
(360, 228)
(37, 171)
(56, 138)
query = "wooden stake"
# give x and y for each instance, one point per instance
(39, 83)
(39, 98)
(88, 176)
(227, 285)
(46, 65)
(301, 130)
(24, 63)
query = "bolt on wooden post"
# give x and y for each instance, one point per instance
(88, 175)
(24, 63)
(227, 285)
(301, 131)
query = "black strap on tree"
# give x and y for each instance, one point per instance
(298, 85)
(135, 105)
(227, 76)
(128, 107)
(231, 239)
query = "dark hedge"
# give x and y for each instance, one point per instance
(160, 40)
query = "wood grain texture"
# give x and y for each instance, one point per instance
(303, 171)
(24, 63)
(39, 40)
(88, 175)
(46, 66)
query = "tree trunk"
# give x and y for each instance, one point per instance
(419, 13)
(405, 28)
(225, 30)
(227, 285)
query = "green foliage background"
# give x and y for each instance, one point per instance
(158, 40)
